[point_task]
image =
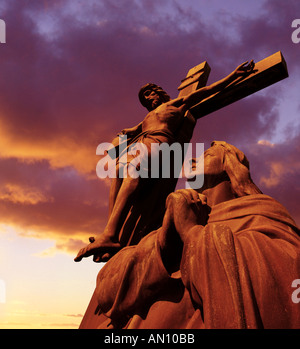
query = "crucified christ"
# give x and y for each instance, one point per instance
(159, 126)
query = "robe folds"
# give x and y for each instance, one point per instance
(235, 272)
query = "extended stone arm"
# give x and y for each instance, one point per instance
(207, 91)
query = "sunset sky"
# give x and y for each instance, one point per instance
(70, 74)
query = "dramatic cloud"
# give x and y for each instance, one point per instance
(277, 169)
(70, 73)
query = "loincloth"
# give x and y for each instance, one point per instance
(139, 150)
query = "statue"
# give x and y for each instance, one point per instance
(225, 256)
(222, 256)
(160, 126)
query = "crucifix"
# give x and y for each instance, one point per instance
(138, 205)
(266, 72)
(146, 214)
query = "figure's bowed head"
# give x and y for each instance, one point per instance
(152, 95)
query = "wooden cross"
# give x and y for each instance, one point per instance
(266, 72)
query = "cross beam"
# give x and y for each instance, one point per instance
(266, 72)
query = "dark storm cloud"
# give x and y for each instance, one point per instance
(71, 71)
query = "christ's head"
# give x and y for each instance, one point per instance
(152, 95)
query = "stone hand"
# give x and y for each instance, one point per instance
(189, 209)
(102, 248)
(244, 68)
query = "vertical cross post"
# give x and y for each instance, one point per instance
(196, 78)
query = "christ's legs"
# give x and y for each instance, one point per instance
(107, 243)
(114, 190)
(121, 206)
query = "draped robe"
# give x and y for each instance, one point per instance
(235, 272)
